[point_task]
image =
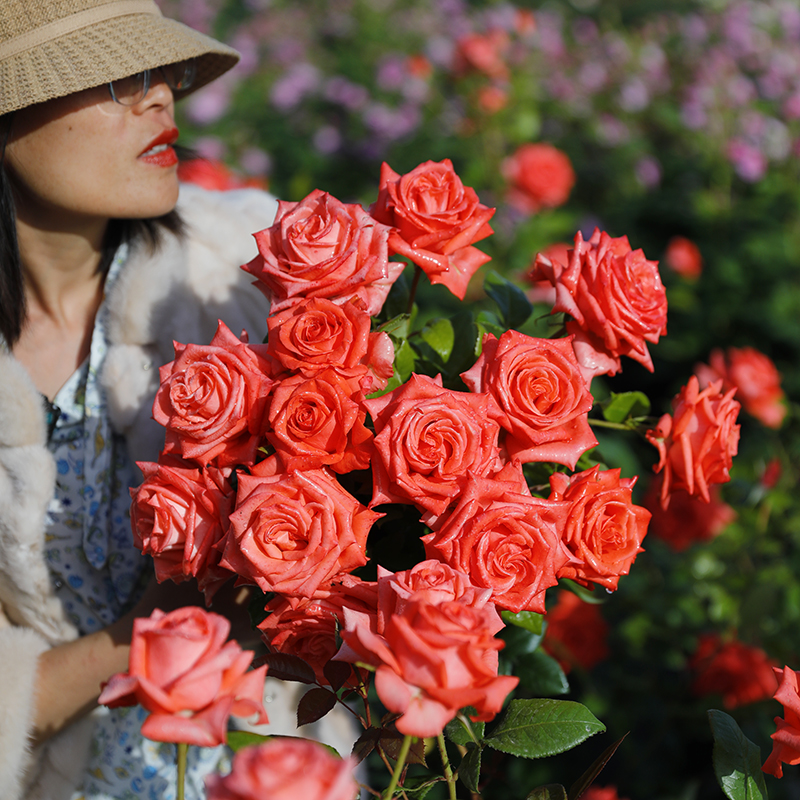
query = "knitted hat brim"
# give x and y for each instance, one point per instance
(107, 51)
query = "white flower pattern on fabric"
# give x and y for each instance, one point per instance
(99, 574)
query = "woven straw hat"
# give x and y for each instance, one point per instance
(52, 48)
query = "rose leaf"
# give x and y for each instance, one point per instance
(391, 741)
(285, 667)
(553, 791)
(458, 729)
(541, 675)
(314, 705)
(337, 673)
(621, 407)
(515, 308)
(365, 743)
(469, 771)
(240, 739)
(540, 727)
(440, 336)
(737, 761)
(588, 777)
(529, 620)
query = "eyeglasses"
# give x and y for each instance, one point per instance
(133, 89)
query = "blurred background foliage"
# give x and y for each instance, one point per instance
(680, 119)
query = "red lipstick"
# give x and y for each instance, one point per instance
(159, 151)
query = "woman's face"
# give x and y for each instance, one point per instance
(86, 157)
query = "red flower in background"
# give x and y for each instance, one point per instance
(484, 53)
(687, 519)
(539, 176)
(683, 256)
(739, 672)
(321, 247)
(755, 378)
(615, 298)
(697, 444)
(603, 529)
(184, 672)
(539, 387)
(436, 220)
(601, 793)
(576, 633)
(215, 175)
(786, 739)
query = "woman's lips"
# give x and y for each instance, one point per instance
(159, 151)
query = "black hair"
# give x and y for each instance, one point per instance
(119, 231)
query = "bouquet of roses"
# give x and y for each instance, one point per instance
(449, 460)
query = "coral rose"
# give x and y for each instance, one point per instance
(683, 256)
(615, 298)
(741, 673)
(696, 445)
(576, 633)
(182, 671)
(437, 219)
(212, 400)
(504, 540)
(321, 247)
(687, 520)
(313, 422)
(540, 176)
(311, 630)
(786, 739)
(538, 385)
(292, 533)
(318, 334)
(433, 655)
(428, 440)
(178, 515)
(285, 769)
(755, 378)
(603, 529)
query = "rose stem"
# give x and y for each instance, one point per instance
(448, 771)
(413, 293)
(398, 767)
(183, 749)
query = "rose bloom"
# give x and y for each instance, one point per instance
(576, 633)
(291, 533)
(615, 298)
(311, 630)
(436, 220)
(786, 739)
(696, 445)
(318, 334)
(184, 672)
(542, 291)
(212, 400)
(285, 769)
(683, 256)
(755, 378)
(687, 520)
(321, 247)
(504, 540)
(428, 440)
(313, 422)
(483, 53)
(540, 176)
(214, 175)
(433, 648)
(740, 673)
(603, 528)
(178, 515)
(538, 385)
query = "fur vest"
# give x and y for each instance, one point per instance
(178, 293)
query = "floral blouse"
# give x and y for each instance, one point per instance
(99, 574)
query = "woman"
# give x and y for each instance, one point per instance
(99, 273)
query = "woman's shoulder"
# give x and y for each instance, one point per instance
(21, 417)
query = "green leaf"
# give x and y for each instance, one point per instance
(469, 771)
(515, 308)
(541, 675)
(539, 728)
(439, 334)
(737, 761)
(468, 339)
(553, 791)
(416, 788)
(392, 741)
(314, 705)
(594, 596)
(457, 729)
(397, 327)
(626, 405)
(489, 323)
(529, 620)
(404, 360)
(240, 739)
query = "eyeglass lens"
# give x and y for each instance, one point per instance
(132, 90)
